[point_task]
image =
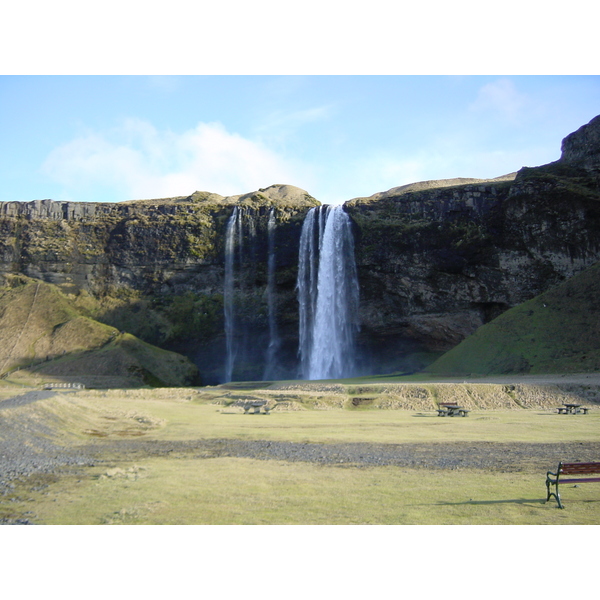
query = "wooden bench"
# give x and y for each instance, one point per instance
(580, 469)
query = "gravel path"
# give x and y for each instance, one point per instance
(26, 447)
(455, 455)
(27, 398)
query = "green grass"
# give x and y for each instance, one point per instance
(251, 492)
(187, 420)
(43, 333)
(181, 489)
(556, 332)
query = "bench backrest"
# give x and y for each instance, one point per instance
(579, 468)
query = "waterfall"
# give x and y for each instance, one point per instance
(274, 342)
(306, 286)
(231, 232)
(328, 299)
(240, 300)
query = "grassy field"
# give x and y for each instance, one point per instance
(238, 491)
(182, 488)
(168, 417)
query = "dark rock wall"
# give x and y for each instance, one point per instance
(581, 147)
(435, 265)
(137, 258)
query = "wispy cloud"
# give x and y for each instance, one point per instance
(501, 97)
(281, 125)
(294, 119)
(138, 161)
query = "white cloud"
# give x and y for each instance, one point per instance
(294, 119)
(138, 161)
(281, 126)
(501, 96)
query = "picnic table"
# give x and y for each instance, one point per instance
(572, 409)
(256, 406)
(451, 409)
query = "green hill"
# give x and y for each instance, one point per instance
(44, 336)
(556, 332)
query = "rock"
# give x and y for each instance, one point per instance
(581, 147)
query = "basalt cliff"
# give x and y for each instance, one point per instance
(435, 261)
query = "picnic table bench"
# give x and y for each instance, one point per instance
(256, 406)
(581, 470)
(572, 409)
(451, 409)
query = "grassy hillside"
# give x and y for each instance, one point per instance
(45, 337)
(556, 332)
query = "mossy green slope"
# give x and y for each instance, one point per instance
(556, 332)
(44, 335)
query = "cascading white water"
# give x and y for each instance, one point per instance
(274, 342)
(231, 233)
(307, 285)
(327, 294)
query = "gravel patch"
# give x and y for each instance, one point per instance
(27, 398)
(510, 457)
(26, 446)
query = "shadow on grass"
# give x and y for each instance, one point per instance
(243, 414)
(485, 502)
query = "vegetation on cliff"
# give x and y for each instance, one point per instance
(556, 332)
(46, 336)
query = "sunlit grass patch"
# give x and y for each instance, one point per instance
(250, 492)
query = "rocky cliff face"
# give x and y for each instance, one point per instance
(439, 259)
(436, 259)
(581, 147)
(155, 268)
(164, 246)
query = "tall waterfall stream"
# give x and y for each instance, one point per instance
(327, 294)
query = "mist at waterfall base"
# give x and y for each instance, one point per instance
(327, 296)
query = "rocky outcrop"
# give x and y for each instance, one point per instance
(154, 246)
(580, 148)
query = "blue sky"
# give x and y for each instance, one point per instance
(115, 138)
(112, 139)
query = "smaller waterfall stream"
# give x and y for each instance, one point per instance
(242, 300)
(274, 341)
(233, 231)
